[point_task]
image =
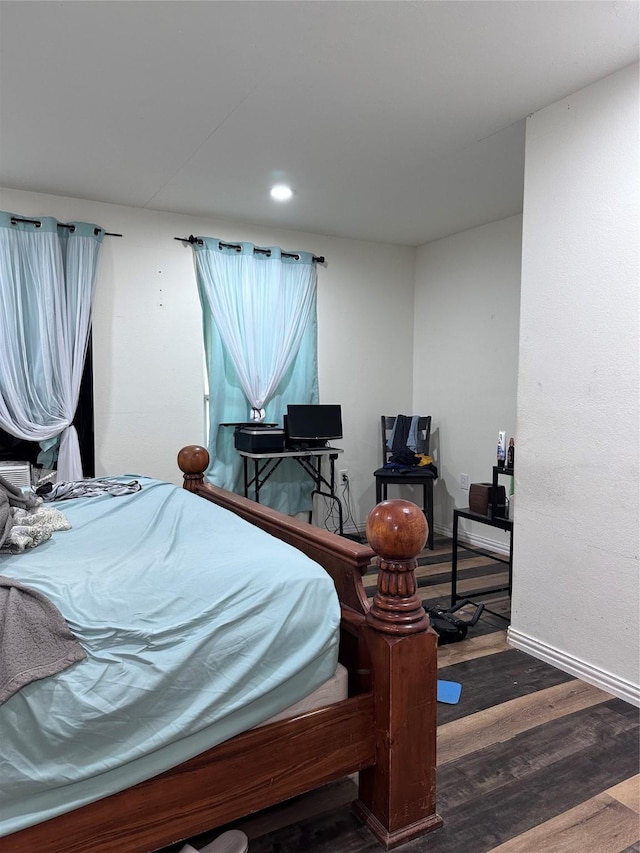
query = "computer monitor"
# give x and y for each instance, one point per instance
(313, 425)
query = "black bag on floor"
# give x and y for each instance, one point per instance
(449, 627)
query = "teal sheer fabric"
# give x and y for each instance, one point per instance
(47, 279)
(260, 334)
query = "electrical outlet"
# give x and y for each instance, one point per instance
(343, 476)
(464, 482)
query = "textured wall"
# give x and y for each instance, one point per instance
(466, 355)
(577, 484)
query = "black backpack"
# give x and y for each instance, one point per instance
(449, 627)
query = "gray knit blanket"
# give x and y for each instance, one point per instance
(24, 521)
(35, 640)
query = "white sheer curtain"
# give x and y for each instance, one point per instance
(260, 334)
(261, 304)
(47, 278)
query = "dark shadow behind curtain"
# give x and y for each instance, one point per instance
(12, 448)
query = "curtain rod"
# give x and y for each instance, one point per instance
(319, 259)
(72, 228)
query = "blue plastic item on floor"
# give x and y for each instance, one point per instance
(449, 692)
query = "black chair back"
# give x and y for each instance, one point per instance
(414, 476)
(387, 424)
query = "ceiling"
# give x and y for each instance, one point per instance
(396, 121)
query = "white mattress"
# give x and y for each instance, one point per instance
(333, 690)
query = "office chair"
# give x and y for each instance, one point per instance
(413, 476)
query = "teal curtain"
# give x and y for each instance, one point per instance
(47, 279)
(260, 335)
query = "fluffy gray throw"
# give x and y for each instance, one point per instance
(35, 640)
(24, 522)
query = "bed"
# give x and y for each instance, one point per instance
(196, 761)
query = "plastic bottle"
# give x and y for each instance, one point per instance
(502, 448)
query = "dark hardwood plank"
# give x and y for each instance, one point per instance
(443, 555)
(596, 731)
(533, 778)
(500, 723)
(470, 580)
(495, 679)
(599, 824)
(426, 577)
(471, 587)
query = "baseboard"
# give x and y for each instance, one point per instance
(473, 539)
(574, 666)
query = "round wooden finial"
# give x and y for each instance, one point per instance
(193, 462)
(193, 459)
(397, 530)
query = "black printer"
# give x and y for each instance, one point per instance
(259, 438)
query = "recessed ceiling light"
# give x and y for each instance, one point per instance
(281, 192)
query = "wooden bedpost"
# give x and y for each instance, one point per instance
(193, 462)
(397, 798)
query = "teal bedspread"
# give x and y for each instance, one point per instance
(197, 626)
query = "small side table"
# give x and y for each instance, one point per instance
(492, 520)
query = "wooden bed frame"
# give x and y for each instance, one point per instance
(385, 730)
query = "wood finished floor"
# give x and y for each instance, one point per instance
(531, 760)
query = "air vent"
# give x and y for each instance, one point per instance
(16, 473)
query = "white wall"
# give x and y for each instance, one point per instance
(148, 364)
(576, 588)
(465, 360)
